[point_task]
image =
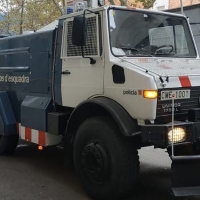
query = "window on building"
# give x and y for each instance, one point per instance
(161, 7)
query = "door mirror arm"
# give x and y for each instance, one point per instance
(92, 60)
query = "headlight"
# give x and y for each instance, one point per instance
(179, 135)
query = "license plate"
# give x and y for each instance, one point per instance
(178, 94)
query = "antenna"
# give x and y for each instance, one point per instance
(181, 1)
(173, 96)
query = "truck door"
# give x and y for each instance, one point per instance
(81, 80)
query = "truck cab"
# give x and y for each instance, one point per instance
(142, 58)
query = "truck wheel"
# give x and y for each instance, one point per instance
(106, 162)
(8, 144)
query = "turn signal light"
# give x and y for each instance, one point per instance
(150, 94)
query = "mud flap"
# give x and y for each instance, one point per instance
(185, 175)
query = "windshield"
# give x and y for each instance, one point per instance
(136, 33)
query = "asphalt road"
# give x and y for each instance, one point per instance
(41, 175)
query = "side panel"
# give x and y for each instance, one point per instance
(34, 112)
(39, 79)
(26, 64)
(26, 67)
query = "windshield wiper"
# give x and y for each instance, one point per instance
(141, 53)
(130, 48)
(163, 54)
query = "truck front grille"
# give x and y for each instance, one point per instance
(183, 105)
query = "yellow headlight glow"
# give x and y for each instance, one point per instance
(179, 135)
(150, 94)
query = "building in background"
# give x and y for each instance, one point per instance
(192, 12)
(176, 3)
(172, 4)
(161, 5)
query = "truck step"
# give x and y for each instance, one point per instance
(57, 122)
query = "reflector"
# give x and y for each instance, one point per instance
(40, 147)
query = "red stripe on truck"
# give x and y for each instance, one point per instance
(17, 127)
(27, 134)
(185, 81)
(42, 138)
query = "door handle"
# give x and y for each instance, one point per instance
(66, 72)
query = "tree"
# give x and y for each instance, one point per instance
(7, 10)
(21, 6)
(147, 3)
(123, 2)
(39, 13)
(61, 8)
(20, 15)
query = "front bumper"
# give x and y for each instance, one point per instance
(157, 134)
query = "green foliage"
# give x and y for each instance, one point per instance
(147, 3)
(30, 15)
(20, 15)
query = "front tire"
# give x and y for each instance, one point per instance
(106, 162)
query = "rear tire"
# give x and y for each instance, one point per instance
(106, 162)
(8, 144)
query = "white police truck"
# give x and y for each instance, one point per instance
(106, 82)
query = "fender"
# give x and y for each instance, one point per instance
(103, 105)
(7, 118)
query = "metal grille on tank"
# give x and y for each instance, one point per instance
(183, 105)
(91, 48)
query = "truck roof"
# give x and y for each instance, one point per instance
(123, 7)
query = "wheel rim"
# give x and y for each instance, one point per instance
(95, 162)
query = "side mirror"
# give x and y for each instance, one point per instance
(79, 31)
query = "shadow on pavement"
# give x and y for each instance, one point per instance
(153, 184)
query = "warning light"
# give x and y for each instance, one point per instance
(40, 148)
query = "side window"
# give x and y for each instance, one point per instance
(93, 42)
